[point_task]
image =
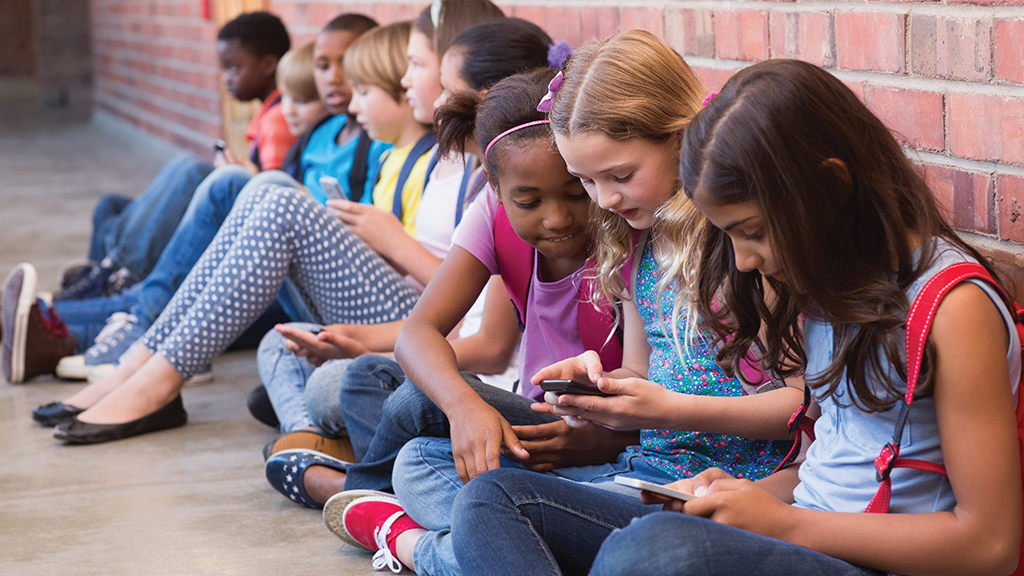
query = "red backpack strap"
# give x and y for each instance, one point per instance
(919, 323)
(597, 326)
(515, 262)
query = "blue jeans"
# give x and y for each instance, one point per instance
(301, 393)
(408, 413)
(677, 544)
(513, 522)
(208, 209)
(427, 485)
(134, 234)
(368, 383)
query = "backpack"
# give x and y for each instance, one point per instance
(515, 263)
(918, 324)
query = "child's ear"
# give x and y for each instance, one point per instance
(836, 170)
(268, 64)
(492, 182)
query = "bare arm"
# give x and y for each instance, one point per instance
(977, 429)
(478, 431)
(490, 349)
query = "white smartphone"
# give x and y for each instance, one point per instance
(651, 487)
(332, 188)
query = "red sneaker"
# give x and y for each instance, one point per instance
(371, 520)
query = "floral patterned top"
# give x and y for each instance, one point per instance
(684, 454)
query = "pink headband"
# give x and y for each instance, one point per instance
(511, 130)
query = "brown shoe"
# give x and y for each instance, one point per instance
(340, 448)
(35, 337)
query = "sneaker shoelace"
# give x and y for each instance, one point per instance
(383, 556)
(117, 326)
(51, 323)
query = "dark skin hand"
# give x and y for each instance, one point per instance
(557, 445)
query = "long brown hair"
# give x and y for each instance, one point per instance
(845, 238)
(453, 16)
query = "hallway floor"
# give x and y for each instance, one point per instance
(188, 501)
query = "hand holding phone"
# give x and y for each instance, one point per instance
(332, 188)
(563, 386)
(655, 488)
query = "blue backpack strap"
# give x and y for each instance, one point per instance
(430, 169)
(421, 147)
(467, 175)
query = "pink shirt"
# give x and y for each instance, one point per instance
(551, 330)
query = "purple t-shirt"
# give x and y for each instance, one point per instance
(551, 330)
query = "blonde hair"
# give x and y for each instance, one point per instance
(378, 58)
(295, 74)
(633, 85)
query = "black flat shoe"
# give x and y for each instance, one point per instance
(54, 413)
(74, 431)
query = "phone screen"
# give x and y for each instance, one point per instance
(572, 387)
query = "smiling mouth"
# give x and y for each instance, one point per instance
(562, 239)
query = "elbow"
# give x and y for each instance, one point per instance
(999, 554)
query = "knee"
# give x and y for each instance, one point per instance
(406, 404)
(489, 491)
(651, 537)
(372, 371)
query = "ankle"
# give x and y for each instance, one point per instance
(405, 545)
(321, 483)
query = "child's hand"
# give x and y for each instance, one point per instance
(374, 226)
(636, 404)
(585, 367)
(329, 344)
(696, 485)
(740, 503)
(479, 433)
(556, 445)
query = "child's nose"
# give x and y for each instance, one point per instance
(607, 198)
(746, 260)
(557, 218)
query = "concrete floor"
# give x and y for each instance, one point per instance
(188, 501)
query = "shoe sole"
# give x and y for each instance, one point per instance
(14, 365)
(334, 512)
(73, 368)
(338, 448)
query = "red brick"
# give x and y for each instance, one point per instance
(691, 31)
(534, 14)
(1009, 52)
(986, 127)
(870, 41)
(650, 19)
(563, 23)
(599, 22)
(957, 48)
(968, 198)
(805, 36)
(858, 88)
(741, 34)
(915, 116)
(713, 78)
(1010, 199)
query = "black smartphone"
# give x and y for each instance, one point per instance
(572, 387)
(219, 145)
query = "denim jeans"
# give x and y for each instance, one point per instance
(677, 544)
(427, 484)
(511, 521)
(210, 205)
(408, 413)
(135, 235)
(368, 383)
(301, 393)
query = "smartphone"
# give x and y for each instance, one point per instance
(652, 487)
(572, 387)
(219, 146)
(332, 188)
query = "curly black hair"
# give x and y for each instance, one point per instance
(260, 33)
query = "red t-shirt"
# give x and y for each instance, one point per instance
(268, 134)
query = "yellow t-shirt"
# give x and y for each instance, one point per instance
(384, 190)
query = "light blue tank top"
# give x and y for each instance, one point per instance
(839, 473)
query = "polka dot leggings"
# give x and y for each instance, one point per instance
(273, 233)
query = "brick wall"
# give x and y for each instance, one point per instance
(16, 54)
(155, 66)
(946, 75)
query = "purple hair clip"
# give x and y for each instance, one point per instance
(709, 97)
(553, 86)
(558, 53)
